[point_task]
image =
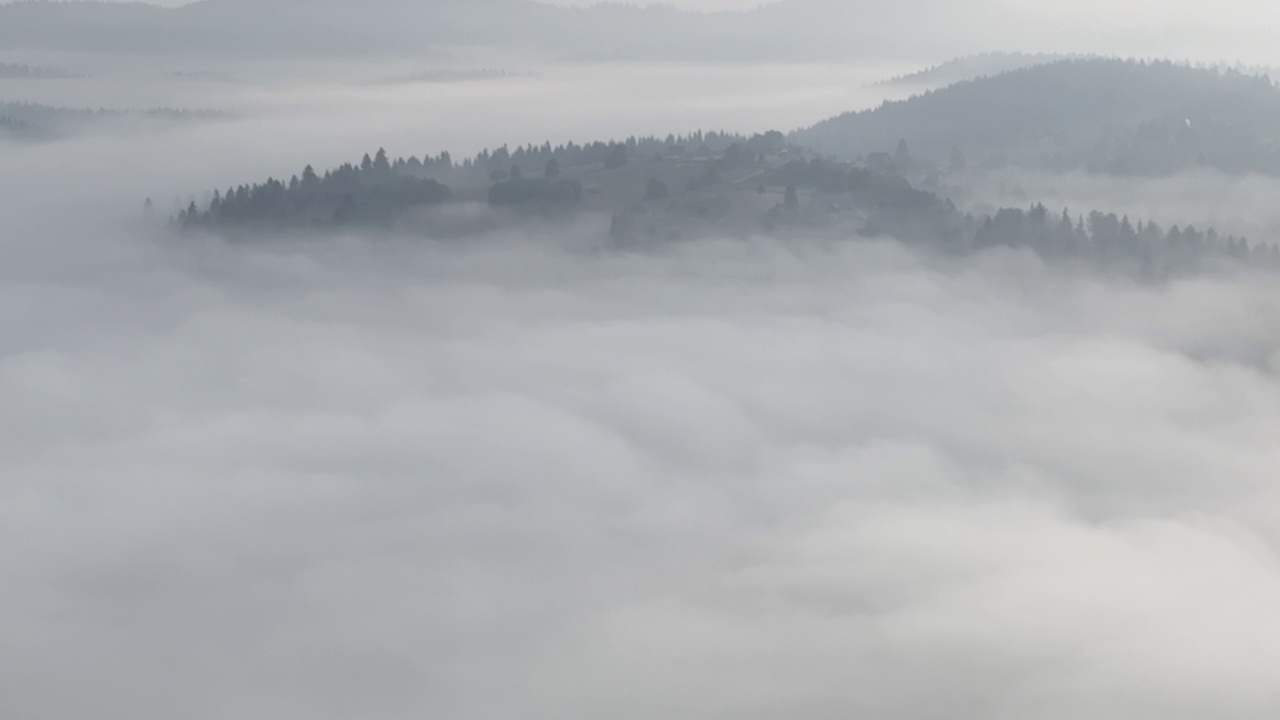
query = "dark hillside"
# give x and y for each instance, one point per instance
(1105, 115)
(971, 67)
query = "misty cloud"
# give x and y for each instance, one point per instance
(396, 477)
(535, 475)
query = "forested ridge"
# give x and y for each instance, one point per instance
(1100, 114)
(893, 207)
(24, 71)
(25, 121)
(971, 67)
(378, 187)
(367, 193)
(815, 194)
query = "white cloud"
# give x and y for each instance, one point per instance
(525, 476)
(396, 478)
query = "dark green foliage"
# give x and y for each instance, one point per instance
(1115, 243)
(536, 192)
(734, 155)
(20, 129)
(711, 145)
(844, 199)
(617, 157)
(1105, 115)
(902, 160)
(893, 207)
(21, 71)
(656, 190)
(33, 122)
(379, 188)
(817, 174)
(372, 193)
(973, 66)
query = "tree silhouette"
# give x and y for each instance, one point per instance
(617, 157)
(656, 190)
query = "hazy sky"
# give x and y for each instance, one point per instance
(689, 4)
(1229, 30)
(684, 4)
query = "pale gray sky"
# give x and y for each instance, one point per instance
(684, 4)
(1251, 18)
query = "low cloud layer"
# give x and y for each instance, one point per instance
(394, 478)
(1238, 204)
(534, 476)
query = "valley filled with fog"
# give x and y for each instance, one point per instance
(766, 467)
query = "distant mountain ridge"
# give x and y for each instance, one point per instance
(972, 67)
(32, 122)
(792, 29)
(1101, 114)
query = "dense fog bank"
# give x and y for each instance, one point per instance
(538, 474)
(1232, 203)
(393, 477)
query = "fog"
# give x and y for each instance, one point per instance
(279, 122)
(1229, 203)
(535, 475)
(737, 30)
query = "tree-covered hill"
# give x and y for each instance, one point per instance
(22, 121)
(971, 67)
(743, 187)
(370, 193)
(1105, 115)
(538, 179)
(23, 71)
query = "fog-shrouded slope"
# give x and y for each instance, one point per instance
(1106, 115)
(970, 67)
(658, 192)
(33, 122)
(23, 71)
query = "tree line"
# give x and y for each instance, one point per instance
(371, 192)
(378, 190)
(496, 164)
(533, 176)
(894, 207)
(1099, 114)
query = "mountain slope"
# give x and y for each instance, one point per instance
(971, 67)
(1105, 114)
